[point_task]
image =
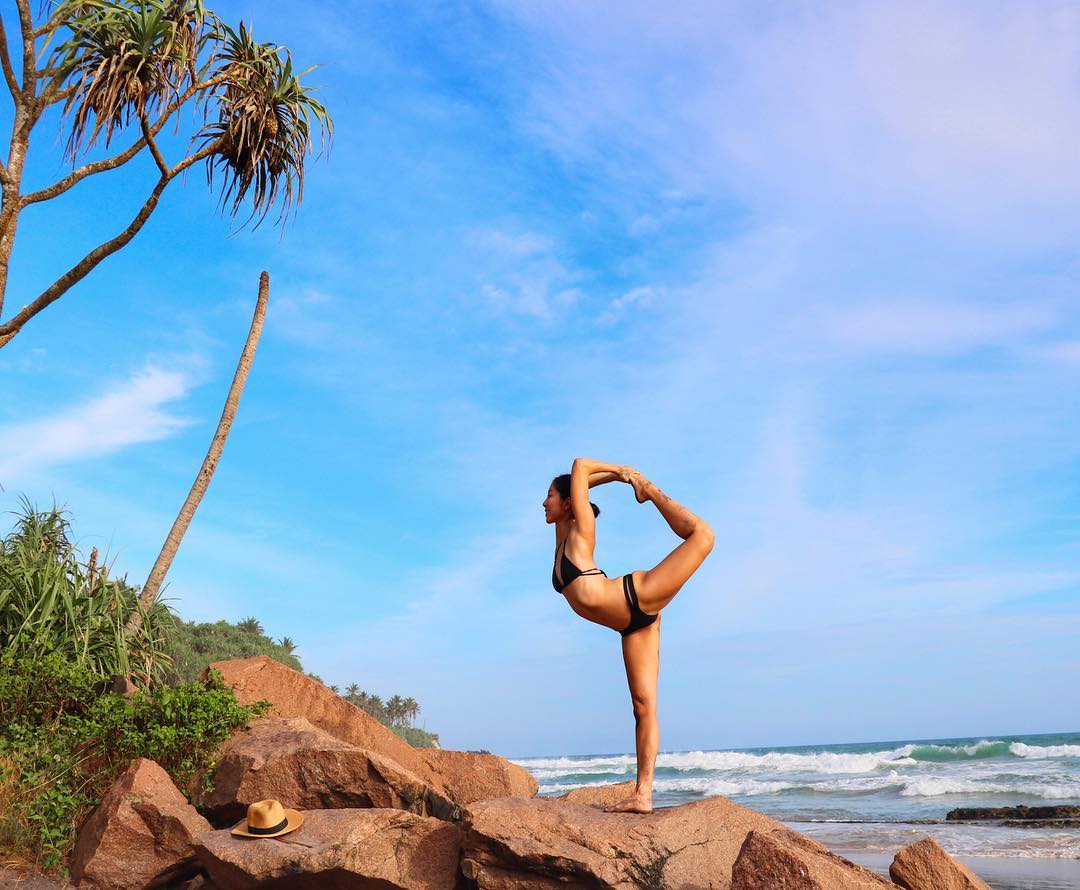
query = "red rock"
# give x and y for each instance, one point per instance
(142, 833)
(305, 768)
(925, 866)
(514, 844)
(782, 859)
(599, 795)
(459, 775)
(340, 849)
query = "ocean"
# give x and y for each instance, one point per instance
(867, 800)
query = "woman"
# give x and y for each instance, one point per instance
(630, 604)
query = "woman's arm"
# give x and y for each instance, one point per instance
(602, 478)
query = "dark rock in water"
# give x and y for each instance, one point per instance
(1066, 816)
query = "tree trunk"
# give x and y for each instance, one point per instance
(202, 481)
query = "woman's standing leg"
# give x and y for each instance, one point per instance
(641, 655)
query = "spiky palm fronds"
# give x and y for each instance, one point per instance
(50, 601)
(124, 60)
(264, 128)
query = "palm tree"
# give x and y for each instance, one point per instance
(213, 455)
(394, 710)
(250, 625)
(135, 64)
(335, 689)
(287, 644)
(412, 708)
(352, 691)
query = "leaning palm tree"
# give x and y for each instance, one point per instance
(206, 471)
(120, 65)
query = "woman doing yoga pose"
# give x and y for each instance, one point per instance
(630, 604)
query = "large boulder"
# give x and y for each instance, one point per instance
(141, 835)
(925, 866)
(599, 795)
(460, 776)
(519, 844)
(338, 850)
(782, 859)
(308, 769)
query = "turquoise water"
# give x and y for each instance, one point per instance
(870, 797)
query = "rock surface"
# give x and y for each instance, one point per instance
(1037, 817)
(925, 866)
(141, 834)
(339, 849)
(782, 859)
(599, 795)
(519, 844)
(459, 775)
(306, 769)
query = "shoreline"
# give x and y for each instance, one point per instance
(1000, 872)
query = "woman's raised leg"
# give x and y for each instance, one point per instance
(659, 585)
(641, 655)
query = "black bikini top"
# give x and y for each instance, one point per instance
(570, 572)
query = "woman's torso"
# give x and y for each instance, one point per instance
(594, 597)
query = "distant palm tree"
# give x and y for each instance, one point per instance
(352, 691)
(334, 688)
(251, 626)
(412, 708)
(395, 710)
(287, 644)
(374, 706)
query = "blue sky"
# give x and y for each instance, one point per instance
(810, 267)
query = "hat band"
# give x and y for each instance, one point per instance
(253, 830)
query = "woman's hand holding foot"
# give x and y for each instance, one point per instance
(634, 478)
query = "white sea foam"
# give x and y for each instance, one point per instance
(1036, 751)
(779, 761)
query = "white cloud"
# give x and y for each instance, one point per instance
(130, 413)
(523, 273)
(962, 117)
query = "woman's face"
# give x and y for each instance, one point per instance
(554, 506)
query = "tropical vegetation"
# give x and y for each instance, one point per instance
(108, 68)
(64, 734)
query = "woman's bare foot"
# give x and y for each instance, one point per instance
(639, 482)
(636, 803)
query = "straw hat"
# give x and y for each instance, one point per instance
(268, 818)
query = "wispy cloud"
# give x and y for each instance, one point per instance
(953, 117)
(524, 273)
(129, 413)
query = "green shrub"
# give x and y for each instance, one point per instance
(52, 600)
(63, 741)
(193, 646)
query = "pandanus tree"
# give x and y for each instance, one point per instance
(114, 67)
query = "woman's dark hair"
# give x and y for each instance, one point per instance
(562, 486)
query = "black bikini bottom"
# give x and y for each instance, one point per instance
(638, 619)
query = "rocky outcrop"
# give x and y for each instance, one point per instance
(515, 844)
(462, 777)
(141, 835)
(925, 866)
(305, 768)
(781, 858)
(1020, 817)
(599, 795)
(470, 776)
(340, 849)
